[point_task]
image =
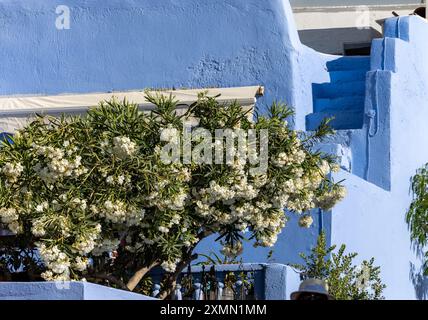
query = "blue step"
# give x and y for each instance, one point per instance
(349, 63)
(337, 90)
(347, 76)
(349, 119)
(343, 103)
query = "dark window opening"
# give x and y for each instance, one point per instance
(357, 49)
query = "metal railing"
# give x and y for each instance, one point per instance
(247, 281)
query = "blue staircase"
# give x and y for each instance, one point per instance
(343, 97)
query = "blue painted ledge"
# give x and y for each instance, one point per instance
(64, 291)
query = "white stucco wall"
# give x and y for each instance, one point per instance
(326, 29)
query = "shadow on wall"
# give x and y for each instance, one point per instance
(333, 40)
(419, 281)
(416, 275)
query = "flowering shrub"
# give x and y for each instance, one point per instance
(97, 199)
(346, 281)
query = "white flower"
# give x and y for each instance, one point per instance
(123, 147)
(120, 179)
(324, 167)
(299, 156)
(56, 261)
(12, 171)
(169, 135)
(281, 160)
(106, 246)
(8, 215)
(306, 221)
(169, 266)
(86, 242)
(163, 229)
(232, 251)
(38, 228)
(176, 219)
(80, 264)
(42, 206)
(117, 211)
(15, 227)
(363, 279)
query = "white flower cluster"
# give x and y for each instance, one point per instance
(123, 147)
(169, 266)
(306, 221)
(265, 220)
(169, 134)
(363, 279)
(12, 171)
(227, 194)
(80, 264)
(56, 221)
(117, 211)
(164, 200)
(77, 203)
(106, 245)
(178, 201)
(120, 180)
(300, 192)
(10, 217)
(328, 200)
(163, 229)
(232, 251)
(86, 242)
(284, 159)
(57, 165)
(38, 228)
(42, 206)
(56, 261)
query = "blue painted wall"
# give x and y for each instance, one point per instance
(371, 219)
(130, 44)
(64, 291)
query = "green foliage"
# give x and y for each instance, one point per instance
(346, 281)
(214, 259)
(417, 215)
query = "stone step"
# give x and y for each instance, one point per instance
(347, 76)
(349, 63)
(337, 90)
(349, 119)
(342, 103)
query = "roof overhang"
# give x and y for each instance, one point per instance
(77, 103)
(15, 112)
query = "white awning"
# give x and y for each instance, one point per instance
(16, 111)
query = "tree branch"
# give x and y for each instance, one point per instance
(136, 278)
(110, 278)
(172, 278)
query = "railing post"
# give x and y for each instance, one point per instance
(156, 290)
(239, 290)
(220, 287)
(177, 292)
(199, 295)
(275, 278)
